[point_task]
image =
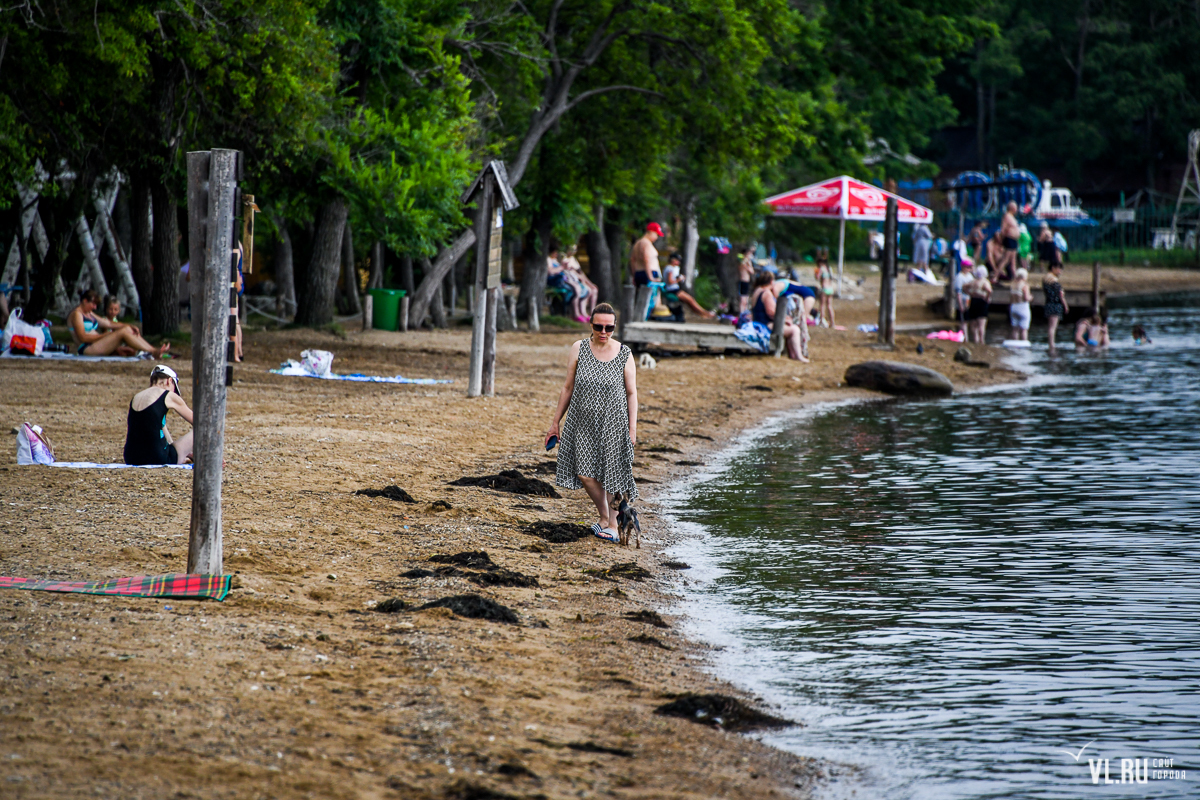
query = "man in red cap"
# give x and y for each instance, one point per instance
(643, 260)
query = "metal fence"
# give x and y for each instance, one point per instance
(1150, 229)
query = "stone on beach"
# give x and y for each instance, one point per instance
(895, 377)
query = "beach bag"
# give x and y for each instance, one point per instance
(318, 362)
(24, 345)
(19, 327)
(33, 446)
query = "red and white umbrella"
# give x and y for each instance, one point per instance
(844, 198)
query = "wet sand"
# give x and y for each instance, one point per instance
(294, 686)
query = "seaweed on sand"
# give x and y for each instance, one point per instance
(475, 559)
(650, 640)
(510, 480)
(650, 617)
(720, 711)
(558, 532)
(392, 492)
(391, 605)
(473, 606)
(628, 570)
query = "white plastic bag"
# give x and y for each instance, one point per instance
(318, 362)
(33, 447)
(19, 327)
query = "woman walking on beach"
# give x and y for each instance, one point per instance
(980, 292)
(599, 402)
(1056, 303)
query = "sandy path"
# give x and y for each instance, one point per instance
(292, 687)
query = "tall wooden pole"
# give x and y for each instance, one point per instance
(483, 227)
(1095, 287)
(887, 278)
(489, 341)
(210, 349)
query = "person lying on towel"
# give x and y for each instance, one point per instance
(148, 441)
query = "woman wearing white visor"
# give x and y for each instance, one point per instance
(148, 441)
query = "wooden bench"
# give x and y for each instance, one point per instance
(706, 336)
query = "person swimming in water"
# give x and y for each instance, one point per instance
(1139, 335)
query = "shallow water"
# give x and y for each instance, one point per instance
(951, 594)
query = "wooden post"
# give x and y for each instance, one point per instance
(628, 297)
(483, 228)
(211, 211)
(404, 301)
(777, 341)
(1095, 287)
(887, 279)
(510, 302)
(489, 341)
(368, 312)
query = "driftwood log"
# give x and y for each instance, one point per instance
(895, 377)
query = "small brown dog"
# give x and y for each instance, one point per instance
(627, 521)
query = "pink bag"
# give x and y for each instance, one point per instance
(33, 446)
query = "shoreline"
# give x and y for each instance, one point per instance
(293, 686)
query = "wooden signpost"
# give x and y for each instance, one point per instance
(493, 196)
(211, 195)
(887, 278)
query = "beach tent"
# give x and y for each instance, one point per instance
(844, 198)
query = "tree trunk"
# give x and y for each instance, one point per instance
(375, 281)
(139, 255)
(285, 281)
(317, 303)
(58, 218)
(437, 311)
(123, 223)
(349, 273)
(434, 273)
(533, 280)
(980, 125)
(615, 232)
(600, 261)
(691, 245)
(406, 277)
(728, 279)
(161, 314)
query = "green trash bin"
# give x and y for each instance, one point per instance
(386, 314)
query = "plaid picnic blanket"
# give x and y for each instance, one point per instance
(179, 585)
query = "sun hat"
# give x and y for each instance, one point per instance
(654, 227)
(981, 272)
(168, 372)
(1022, 273)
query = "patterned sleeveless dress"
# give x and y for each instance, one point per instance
(594, 440)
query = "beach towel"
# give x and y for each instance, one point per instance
(296, 370)
(756, 335)
(49, 355)
(948, 336)
(183, 586)
(98, 465)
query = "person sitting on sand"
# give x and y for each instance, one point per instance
(598, 410)
(147, 440)
(1139, 335)
(674, 288)
(1092, 331)
(762, 311)
(86, 328)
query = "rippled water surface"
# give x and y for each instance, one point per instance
(950, 594)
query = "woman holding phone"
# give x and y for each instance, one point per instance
(598, 411)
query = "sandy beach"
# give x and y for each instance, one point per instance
(294, 686)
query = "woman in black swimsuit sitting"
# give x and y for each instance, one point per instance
(148, 441)
(762, 304)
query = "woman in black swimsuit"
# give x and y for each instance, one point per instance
(1055, 307)
(147, 440)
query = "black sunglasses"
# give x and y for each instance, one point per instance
(597, 327)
